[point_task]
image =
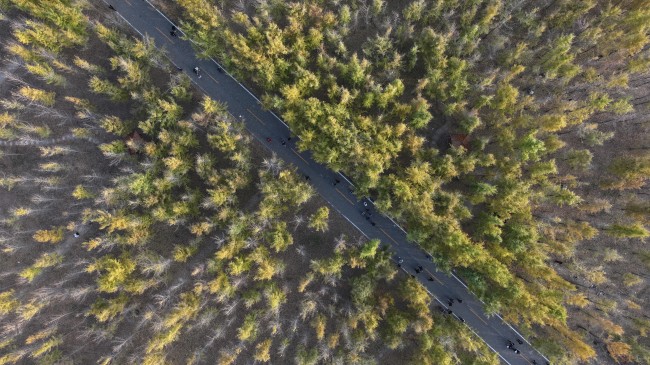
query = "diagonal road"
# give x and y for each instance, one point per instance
(333, 187)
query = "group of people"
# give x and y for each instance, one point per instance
(511, 345)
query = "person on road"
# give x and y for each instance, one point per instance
(76, 234)
(430, 278)
(173, 31)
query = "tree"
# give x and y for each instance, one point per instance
(306, 357)
(44, 261)
(320, 324)
(280, 237)
(80, 193)
(37, 95)
(49, 235)
(579, 159)
(619, 351)
(369, 249)
(318, 220)
(558, 60)
(634, 230)
(394, 328)
(105, 310)
(590, 134)
(631, 172)
(106, 87)
(8, 303)
(248, 330)
(117, 272)
(262, 351)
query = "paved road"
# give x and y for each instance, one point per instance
(218, 84)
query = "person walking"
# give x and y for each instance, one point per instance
(173, 31)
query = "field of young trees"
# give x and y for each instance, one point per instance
(140, 224)
(510, 138)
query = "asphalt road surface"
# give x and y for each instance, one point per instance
(219, 85)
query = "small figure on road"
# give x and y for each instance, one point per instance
(516, 351)
(197, 71)
(417, 270)
(534, 362)
(461, 319)
(519, 341)
(430, 278)
(413, 276)
(76, 234)
(179, 68)
(400, 260)
(449, 311)
(111, 7)
(459, 300)
(420, 268)
(307, 177)
(284, 143)
(373, 223)
(289, 138)
(428, 257)
(173, 31)
(219, 69)
(450, 302)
